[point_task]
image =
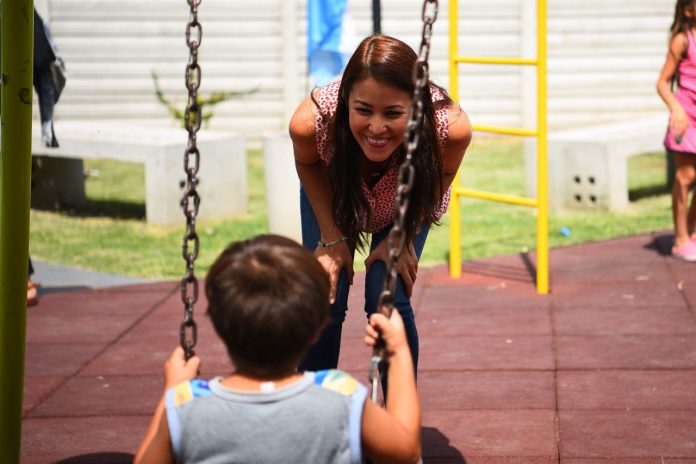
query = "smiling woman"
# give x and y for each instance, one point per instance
(377, 118)
(348, 140)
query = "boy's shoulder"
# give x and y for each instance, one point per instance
(338, 381)
(331, 379)
(189, 390)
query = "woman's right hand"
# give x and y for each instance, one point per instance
(333, 259)
(678, 122)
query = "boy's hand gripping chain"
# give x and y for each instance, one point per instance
(191, 200)
(396, 240)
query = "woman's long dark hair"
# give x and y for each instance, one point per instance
(681, 22)
(390, 61)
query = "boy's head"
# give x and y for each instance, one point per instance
(268, 297)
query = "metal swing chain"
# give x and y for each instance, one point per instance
(191, 200)
(396, 240)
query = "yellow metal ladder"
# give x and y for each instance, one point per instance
(541, 131)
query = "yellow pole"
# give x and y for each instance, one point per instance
(505, 130)
(542, 156)
(455, 206)
(16, 57)
(497, 197)
(494, 60)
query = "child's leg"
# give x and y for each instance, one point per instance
(43, 83)
(691, 217)
(32, 291)
(323, 354)
(684, 176)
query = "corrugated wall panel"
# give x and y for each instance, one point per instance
(604, 57)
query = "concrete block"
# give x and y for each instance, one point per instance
(223, 182)
(222, 176)
(222, 179)
(57, 183)
(282, 186)
(579, 177)
(588, 166)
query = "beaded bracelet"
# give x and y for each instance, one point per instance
(335, 242)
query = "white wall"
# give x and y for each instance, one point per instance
(604, 57)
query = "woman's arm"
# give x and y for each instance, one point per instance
(316, 186)
(678, 118)
(458, 140)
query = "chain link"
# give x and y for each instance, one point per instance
(396, 240)
(190, 201)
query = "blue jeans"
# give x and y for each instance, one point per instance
(324, 353)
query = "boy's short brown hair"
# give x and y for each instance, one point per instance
(268, 298)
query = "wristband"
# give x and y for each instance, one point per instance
(335, 242)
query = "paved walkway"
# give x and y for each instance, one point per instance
(603, 370)
(55, 278)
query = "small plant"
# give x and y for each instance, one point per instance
(204, 102)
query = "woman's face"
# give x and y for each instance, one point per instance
(690, 10)
(378, 116)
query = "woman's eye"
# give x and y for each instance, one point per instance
(394, 114)
(362, 110)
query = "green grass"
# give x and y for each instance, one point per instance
(490, 229)
(109, 234)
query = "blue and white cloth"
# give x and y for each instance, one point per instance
(331, 39)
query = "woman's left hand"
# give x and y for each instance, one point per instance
(407, 264)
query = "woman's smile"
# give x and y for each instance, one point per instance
(378, 115)
(377, 142)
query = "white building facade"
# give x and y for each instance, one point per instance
(604, 57)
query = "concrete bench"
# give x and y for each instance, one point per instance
(588, 165)
(222, 175)
(282, 185)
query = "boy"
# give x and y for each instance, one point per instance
(268, 298)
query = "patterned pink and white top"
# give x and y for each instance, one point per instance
(380, 196)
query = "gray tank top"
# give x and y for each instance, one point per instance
(314, 420)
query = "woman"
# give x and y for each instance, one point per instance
(348, 141)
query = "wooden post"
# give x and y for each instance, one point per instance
(16, 57)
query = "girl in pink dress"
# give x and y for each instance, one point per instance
(680, 67)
